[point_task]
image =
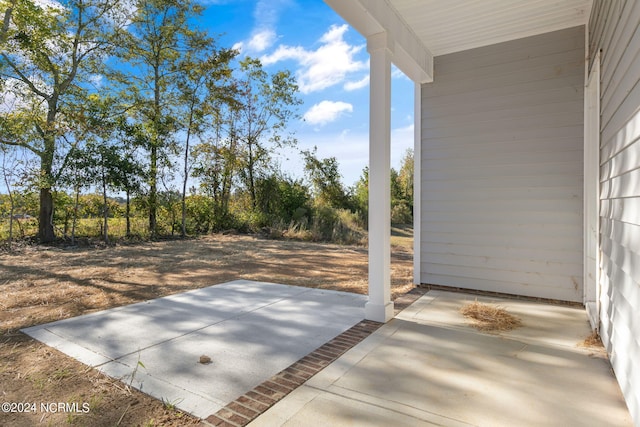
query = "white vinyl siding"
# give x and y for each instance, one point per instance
(615, 29)
(502, 168)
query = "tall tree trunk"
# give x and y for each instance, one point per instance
(153, 191)
(186, 175)
(155, 143)
(46, 232)
(75, 215)
(252, 185)
(128, 213)
(105, 209)
(11, 201)
(11, 213)
(45, 218)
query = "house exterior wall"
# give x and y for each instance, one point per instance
(614, 28)
(502, 158)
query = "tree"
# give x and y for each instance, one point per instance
(360, 195)
(9, 176)
(76, 176)
(104, 158)
(48, 53)
(402, 190)
(267, 103)
(159, 36)
(203, 86)
(325, 178)
(405, 177)
(216, 163)
(281, 198)
(131, 173)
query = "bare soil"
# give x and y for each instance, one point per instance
(40, 285)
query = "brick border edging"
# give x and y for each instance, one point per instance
(253, 403)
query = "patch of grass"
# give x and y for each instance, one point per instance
(72, 418)
(490, 318)
(95, 403)
(135, 371)
(171, 405)
(39, 382)
(61, 373)
(402, 236)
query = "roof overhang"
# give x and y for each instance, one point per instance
(371, 17)
(422, 29)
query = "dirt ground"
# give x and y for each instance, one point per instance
(40, 284)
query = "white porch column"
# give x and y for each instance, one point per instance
(417, 178)
(379, 307)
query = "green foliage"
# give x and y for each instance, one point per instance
(158, 38)
(265, 104)
(401, 192)
(171, 99)
(205, 84)
(325, 179)
(48, 54)
(402, 189)
(401, 214)
(336, 225)
(360, 196)
(199, 214)
(280, 198)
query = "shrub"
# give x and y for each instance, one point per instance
(401, 214)
(336, 225)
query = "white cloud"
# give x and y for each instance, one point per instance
(15, 95)
(406, 129)
(262, 40)
(396, 73)
(52, 4)
(402, 138)
(239, 46)
(265, 14)
(327, 111)
(325, 67)
(355, 85)
(96, 80)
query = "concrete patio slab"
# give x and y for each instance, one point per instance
(427, 366)
(251, 331)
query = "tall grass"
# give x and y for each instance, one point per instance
(85, 228)
(326, 225)
(321, 224)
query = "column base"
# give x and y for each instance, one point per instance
(377, 312)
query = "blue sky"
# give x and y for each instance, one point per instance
(331, 64)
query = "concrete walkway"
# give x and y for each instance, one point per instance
(250, 330)
(428, 367)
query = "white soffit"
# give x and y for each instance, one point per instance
(438, 27)
(446, 26)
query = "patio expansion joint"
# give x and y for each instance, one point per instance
(243, 409)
